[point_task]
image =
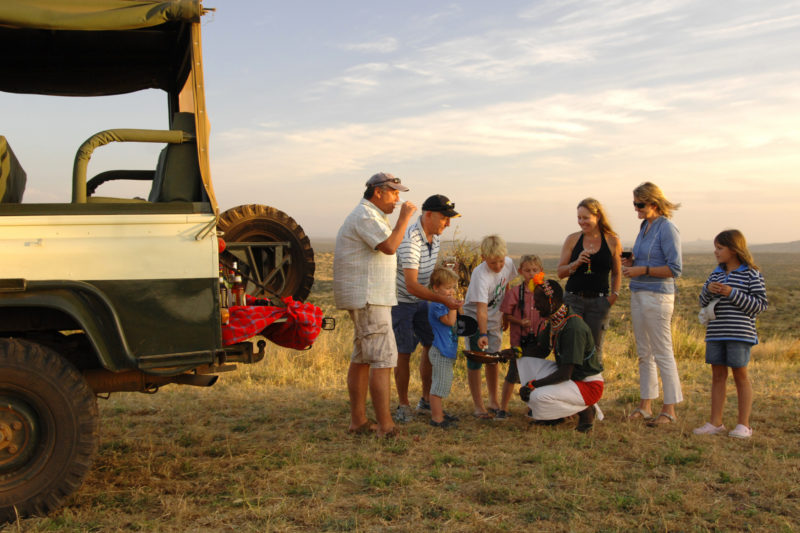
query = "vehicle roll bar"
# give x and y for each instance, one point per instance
(119, 135)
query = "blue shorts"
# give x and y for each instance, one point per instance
(411, 326)
(734, 354)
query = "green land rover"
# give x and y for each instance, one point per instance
(103, 294)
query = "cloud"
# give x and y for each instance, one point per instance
(381, 46)
(355, 81)
(653, 122)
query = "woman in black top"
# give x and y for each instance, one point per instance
(587, 258)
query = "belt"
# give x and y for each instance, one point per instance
(588, 294)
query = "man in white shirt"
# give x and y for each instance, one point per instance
(364, 283)
(416, 259)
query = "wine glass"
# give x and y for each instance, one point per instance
(590, 250)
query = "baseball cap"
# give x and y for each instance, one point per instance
(440, 204)
(384, 178)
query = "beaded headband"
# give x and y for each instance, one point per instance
(538, 280)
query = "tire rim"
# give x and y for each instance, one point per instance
(20, 435)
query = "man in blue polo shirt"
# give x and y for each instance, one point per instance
(416, 258)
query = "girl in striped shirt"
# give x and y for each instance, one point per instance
(739, 287)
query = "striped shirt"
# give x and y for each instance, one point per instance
(415, 252)
(736, 314)
(361, 274)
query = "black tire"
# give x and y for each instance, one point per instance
(253, 223)
(48, 429)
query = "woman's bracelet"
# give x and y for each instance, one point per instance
(483, 335)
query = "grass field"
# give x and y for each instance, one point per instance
(267, 449)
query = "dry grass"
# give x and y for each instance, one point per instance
(267, 450)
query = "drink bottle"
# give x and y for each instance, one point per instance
(238, 291)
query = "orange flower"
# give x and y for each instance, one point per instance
(537, 279)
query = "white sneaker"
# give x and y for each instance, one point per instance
(741, 432)
(709, 429)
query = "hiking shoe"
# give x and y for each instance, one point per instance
(444, 424)
(709, 429)
(502, 415)
(451, 418)
(403, 414)
(741, 432)
(423, 407)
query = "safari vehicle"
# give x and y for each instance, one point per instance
(103, 294)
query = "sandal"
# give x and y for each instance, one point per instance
(364, 429)
(391, 434)
(482, 416)
(640, 414)
(655, 422)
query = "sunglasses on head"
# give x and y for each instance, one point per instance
(389, 180)
(639, 205)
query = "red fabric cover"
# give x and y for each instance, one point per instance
(591, 391)
(303, 324)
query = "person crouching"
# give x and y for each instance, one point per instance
(571, 384)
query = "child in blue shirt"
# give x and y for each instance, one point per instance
(741, 295)
(444, 350)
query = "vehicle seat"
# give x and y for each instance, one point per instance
(177, 175)
(12, 176)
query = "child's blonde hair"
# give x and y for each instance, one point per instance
(533, 259)
(442, 276)
(734, 240)
(493, 246)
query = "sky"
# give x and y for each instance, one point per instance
(514, 110)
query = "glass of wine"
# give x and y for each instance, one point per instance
(590, 250)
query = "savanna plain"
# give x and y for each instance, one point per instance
(267, 448)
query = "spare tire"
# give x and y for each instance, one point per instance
(261, 223)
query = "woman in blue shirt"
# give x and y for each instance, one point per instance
(655, 264)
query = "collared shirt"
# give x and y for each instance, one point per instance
(415, 252)
(659, 246)
(361, 274)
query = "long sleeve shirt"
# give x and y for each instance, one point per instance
(659, 246)
(735, 314)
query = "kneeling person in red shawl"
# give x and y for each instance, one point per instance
(571, 384)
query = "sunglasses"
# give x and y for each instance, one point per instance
(639, 205)
(390, 180)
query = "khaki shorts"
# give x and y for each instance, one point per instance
(373, 337)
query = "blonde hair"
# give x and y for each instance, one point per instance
(493, 246)
(594, 207)
(442, 276)
(734, 240)
(533, 259)
(650, 193)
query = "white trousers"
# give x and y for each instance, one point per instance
(651, 313)
(552, 401)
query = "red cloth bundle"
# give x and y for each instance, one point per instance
(303, 324)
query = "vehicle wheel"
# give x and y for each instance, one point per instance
(261, 223)
(48, 429)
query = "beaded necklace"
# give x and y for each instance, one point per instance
(557, 321)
